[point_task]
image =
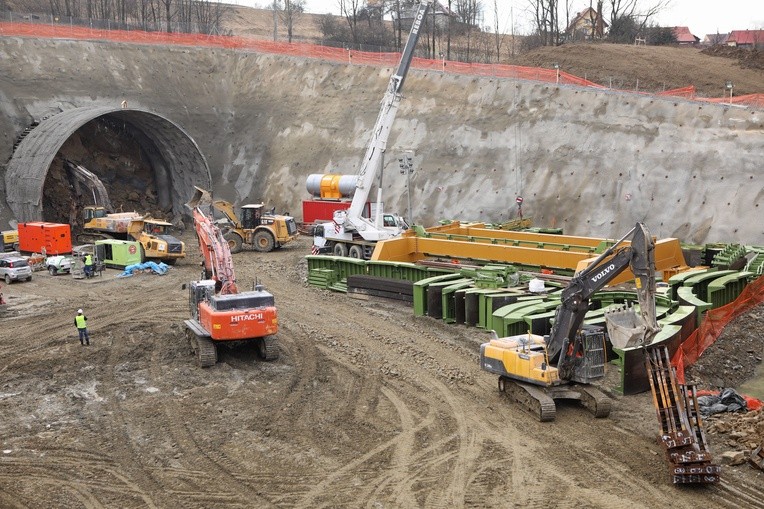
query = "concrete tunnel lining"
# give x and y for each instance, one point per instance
(25, 176)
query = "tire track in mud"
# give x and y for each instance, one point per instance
(225, 482)
(737, 496)
(80, 476)
(351, 468)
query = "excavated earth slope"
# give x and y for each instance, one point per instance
(592, 162)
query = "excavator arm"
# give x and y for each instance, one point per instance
(639, 257)
(218, 263)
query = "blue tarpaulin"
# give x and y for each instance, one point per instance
(158, 268)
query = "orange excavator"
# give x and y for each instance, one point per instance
(220, 313)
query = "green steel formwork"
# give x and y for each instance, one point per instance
(434, 296)
(725, 289)
(540, 323)
(728, 256)
(683, 316)
(472, 302)
(496, 320)
(632, 371)
(688, 298)
(322, 278)
(756, 264)
(420, 291)
(344, 266)
(677, 280)
(700, 282)
(397, 270)
(460, 312)
(489, 302)
(606, 298)
(447, 297)
(514, 322)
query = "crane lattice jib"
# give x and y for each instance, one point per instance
(217, 254)
(378, 143)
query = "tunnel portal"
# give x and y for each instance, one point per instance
(166, 166)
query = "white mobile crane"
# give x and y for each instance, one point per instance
(349, 233)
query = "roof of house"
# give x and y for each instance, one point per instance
(683, 34)
(716, 38)
(747, 36)
(587, 14)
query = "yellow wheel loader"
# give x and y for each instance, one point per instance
(256, 228)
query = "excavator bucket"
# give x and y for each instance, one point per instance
(201, 198)
(626, 328)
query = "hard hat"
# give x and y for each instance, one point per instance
(79, 311)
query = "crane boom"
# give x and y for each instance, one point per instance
(372, 160)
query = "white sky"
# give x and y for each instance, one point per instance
(702, 16)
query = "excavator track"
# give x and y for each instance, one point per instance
(268, 348)
(595, 401)
(205, 350)
(531, 397)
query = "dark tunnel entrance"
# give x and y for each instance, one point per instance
(113, 152)
(147, 164)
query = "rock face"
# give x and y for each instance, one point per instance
(592, 162)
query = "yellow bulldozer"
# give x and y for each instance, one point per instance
(264, 231)
(153, 234)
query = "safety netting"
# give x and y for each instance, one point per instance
(69, 31)
(713, 325)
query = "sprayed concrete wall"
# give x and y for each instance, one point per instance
(592, 162)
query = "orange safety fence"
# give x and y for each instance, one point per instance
(686, 92)
(713, 324)
(69, 31)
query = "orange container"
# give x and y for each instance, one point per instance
(48, 238)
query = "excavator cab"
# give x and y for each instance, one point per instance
(92, 212)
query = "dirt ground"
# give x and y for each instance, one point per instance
(368, 406)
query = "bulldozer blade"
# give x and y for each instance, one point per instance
(201, 198)
(625, 328)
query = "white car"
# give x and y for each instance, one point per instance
(15, 269)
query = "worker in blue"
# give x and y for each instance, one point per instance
(88, 265)
(81, 322)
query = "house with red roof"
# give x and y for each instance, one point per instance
(746, 39)
(684, 37)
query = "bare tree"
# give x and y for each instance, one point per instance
(290, 12)
(350, 10)
(635, 10)
(469, 11)
(498, 37)
(545, 18)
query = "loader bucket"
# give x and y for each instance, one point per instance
(626, 329)
(201, 198)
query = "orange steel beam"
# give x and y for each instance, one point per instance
(409, 248)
